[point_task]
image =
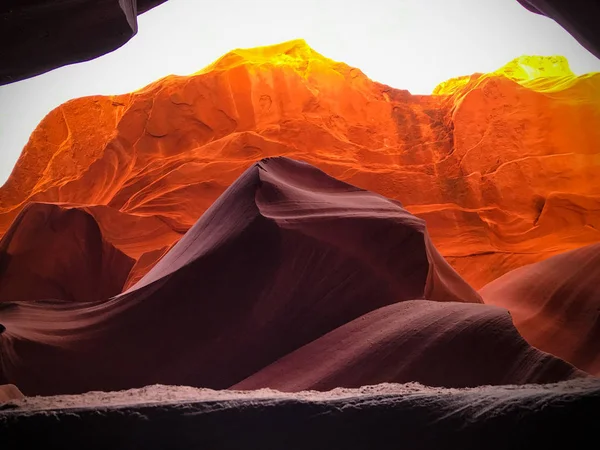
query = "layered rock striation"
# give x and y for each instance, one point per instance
(143, 243)
(502, 166)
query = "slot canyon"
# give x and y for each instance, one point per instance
(277, 239)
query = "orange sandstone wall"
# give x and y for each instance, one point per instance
(502, 166)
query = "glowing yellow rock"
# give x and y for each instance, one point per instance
(544, 74)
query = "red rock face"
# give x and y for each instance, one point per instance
(288, 261)
(556, 304)
(502, 167)
(284, 256)
(231, 271)
(437, 344)
(56, 253)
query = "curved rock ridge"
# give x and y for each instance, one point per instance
(144, 263)
(41, 35)
(479, 163)
(578, 18)
(556, 304)
(284, 256)
(433, 343)
(51, 252)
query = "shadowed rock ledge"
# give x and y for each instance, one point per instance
(409, 416)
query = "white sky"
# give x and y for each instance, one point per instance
(407, 44)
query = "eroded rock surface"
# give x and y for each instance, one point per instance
(433, 343)
(40, 35)
(57, 253)
(502, 166)
(556, 304)
(284, 256)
